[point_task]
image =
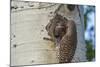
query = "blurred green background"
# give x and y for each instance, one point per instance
(89, 25)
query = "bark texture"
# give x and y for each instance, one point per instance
(28, 22)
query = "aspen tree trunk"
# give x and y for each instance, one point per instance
(28, 22)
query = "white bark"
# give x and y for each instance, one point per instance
(28, 26)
